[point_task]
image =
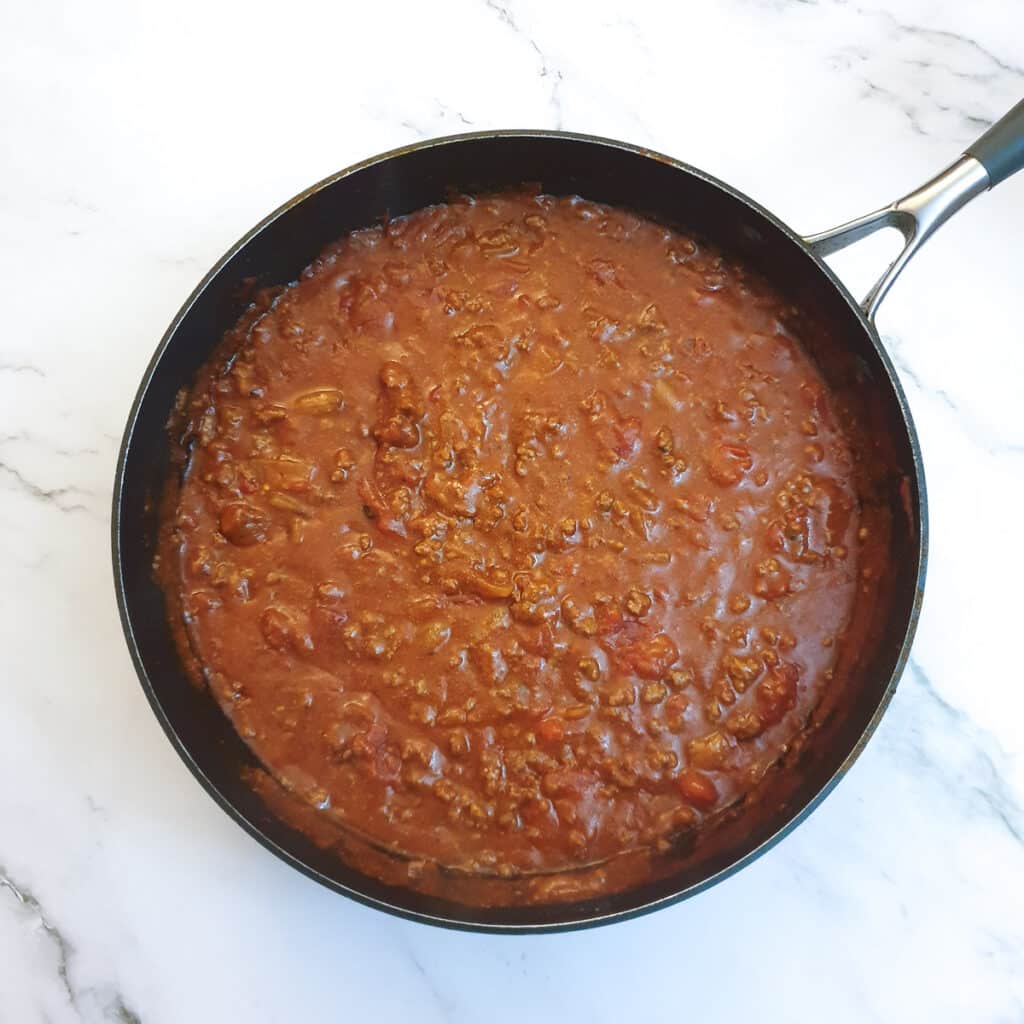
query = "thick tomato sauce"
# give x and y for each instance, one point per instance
(519, 533)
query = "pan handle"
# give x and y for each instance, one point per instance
(988, 161)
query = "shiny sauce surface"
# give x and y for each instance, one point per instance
(518, 533)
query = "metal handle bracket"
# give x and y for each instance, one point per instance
(916, 216)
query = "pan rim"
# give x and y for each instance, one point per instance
(919, 508)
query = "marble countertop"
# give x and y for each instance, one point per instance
(138, 141)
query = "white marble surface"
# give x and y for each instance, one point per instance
(136, 142)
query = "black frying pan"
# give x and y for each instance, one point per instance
(841, 337)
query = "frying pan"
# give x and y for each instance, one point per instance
(840, 335)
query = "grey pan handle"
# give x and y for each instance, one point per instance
(994, 157)
(1001, 149)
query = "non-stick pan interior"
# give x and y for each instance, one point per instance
(277, 251)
